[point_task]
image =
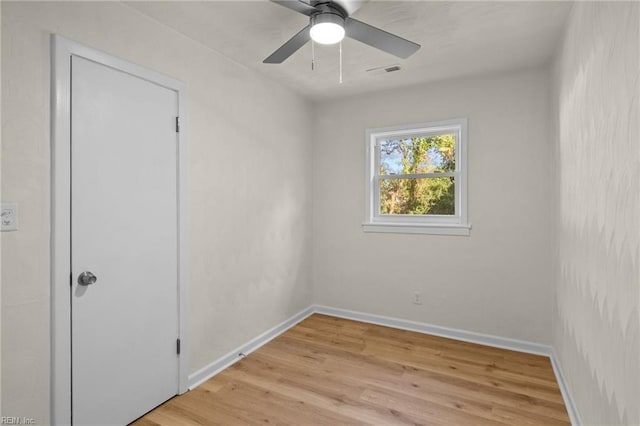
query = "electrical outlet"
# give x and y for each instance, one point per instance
(417, 298)
(9, 217)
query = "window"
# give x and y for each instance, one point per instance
(416, 179)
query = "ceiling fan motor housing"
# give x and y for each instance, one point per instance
(328, 13)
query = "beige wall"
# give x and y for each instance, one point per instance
(497, 280)
(250, 237)
(0, 233)
(258, 215)
(596, 329)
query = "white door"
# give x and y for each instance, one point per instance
(124, 231)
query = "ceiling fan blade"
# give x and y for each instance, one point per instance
(375, 37)
(296, 5)
(290, 47)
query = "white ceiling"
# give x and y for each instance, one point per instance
(457, 38)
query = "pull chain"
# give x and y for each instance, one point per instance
(340, 62)
(313, 55)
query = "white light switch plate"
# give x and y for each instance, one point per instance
(9, 217)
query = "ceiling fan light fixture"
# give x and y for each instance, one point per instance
(327, 28)
(327, 33)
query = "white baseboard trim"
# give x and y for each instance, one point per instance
(569, 402)
(232, 357)
(466, 336)
(436, 330)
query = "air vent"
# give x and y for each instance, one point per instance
(384, 70)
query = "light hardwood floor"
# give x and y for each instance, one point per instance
(331, 371)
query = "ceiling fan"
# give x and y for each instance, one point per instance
(330, 22)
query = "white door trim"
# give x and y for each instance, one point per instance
(61, 51)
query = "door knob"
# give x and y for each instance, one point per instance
(87, 278)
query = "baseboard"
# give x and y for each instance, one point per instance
(569, 402)
(436, 330)
(234, 356)
(466, 336)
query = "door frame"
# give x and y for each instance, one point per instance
(62, 50)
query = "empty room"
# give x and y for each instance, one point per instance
(320, 212)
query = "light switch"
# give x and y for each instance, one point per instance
(9, 217)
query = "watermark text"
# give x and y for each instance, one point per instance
(15, 420)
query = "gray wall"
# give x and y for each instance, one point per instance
(497, 280)
(596, 328)
(257, 214)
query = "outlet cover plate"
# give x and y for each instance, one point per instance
(9, 217)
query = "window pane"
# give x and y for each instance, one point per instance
(424, 196)
(418, 155)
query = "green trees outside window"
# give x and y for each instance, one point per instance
(403, 191)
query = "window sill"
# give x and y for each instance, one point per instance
(417, 228)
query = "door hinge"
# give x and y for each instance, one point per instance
(178, 346)
(177, 124)
(70, 279)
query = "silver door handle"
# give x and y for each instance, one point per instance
(87, 278)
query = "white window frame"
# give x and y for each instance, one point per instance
(455, 224)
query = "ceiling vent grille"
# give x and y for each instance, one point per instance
(384, 70)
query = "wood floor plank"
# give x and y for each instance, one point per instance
(332, 371)
(427, 411)
(498, 379)
(532, 365)
(467, 395)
